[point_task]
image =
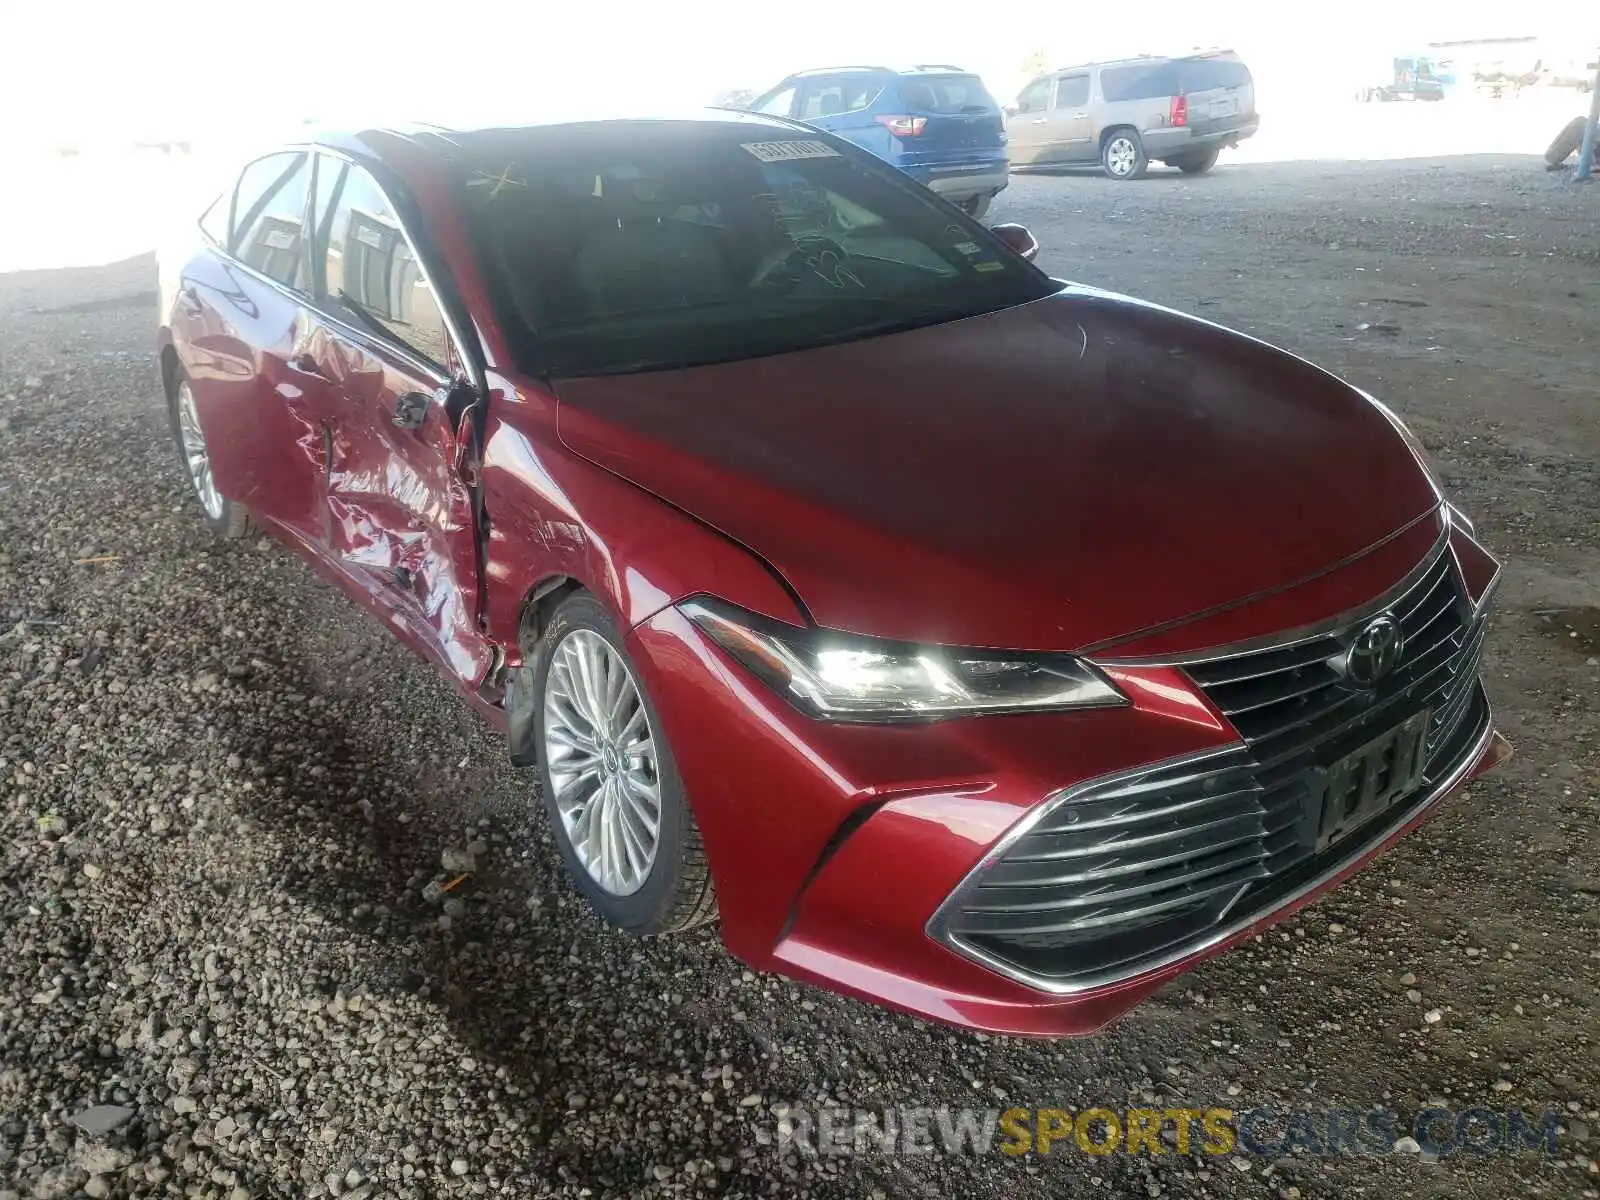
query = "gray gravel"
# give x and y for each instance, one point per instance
(229, 807)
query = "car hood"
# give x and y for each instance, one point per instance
(1056, 475)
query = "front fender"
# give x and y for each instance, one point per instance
(554, 513)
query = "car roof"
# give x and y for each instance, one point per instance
(380, 141)
(919, 69)
(1144, 59)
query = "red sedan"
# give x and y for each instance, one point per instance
(975, 643)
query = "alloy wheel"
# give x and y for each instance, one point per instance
(195, 455)
(601, 754)
(1121, 156)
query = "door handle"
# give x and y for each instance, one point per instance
(189, 300)
(411, 410)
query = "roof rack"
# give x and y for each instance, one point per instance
(937, 67)
(832, 70)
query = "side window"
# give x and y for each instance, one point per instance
(1035, 97)
(1072, 91)
(824, 98)
(369, 274)
(269, 212)
(779, 104)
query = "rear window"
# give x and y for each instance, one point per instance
(945, 94)
(1203, 74)
(627, 246)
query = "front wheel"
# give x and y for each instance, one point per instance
(610, 785)
(1123, 155)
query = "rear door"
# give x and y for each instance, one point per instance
(1222, 96)
(961, 123)
(239, 327)
(399, 513)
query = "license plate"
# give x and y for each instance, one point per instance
(1367, 782)
(1224, 108)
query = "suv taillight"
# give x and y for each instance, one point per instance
(1180, 111)
(904, 127)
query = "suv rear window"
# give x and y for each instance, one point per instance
(1203, 74)
(1173, 77)
(633, 246)
(943, 94)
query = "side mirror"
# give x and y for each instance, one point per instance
(1018, 239)
(1010, 111)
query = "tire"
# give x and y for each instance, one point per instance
(1122, 155)
(222, 516)
(1567, 142)
(672, 891)
(1198, 164)
(977, 207)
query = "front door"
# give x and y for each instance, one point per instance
(399, 514)
(1027, 124)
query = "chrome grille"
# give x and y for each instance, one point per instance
(1131, 868)
(1286, 699)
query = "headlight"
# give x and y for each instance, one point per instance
(844, 677)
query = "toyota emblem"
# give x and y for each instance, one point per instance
(1375, 652)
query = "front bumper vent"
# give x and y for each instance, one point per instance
(1117, 876)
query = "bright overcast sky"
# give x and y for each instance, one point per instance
(195, 68)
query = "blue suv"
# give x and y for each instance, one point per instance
(938, 124)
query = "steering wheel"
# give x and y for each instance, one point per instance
(811, 254)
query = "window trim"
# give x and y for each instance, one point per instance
(821, 82)
(467, 367)
(1055, 92)
(232, 196)
(455, 344)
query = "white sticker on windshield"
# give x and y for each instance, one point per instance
(787, 150)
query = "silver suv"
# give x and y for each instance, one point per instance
(1124, 115)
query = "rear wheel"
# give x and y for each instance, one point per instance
(1123, 155)
(1567, 142)
(1197, 164)
(225, 518)
(610, 785)
(977, 207)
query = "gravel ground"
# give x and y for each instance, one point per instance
(228, 803)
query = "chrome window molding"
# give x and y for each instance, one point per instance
(937, 927)
(439, 373)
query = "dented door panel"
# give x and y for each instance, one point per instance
(398, 511)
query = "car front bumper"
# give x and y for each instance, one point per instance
(841, 851)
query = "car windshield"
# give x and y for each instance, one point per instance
(633, 246)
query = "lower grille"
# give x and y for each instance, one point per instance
(1118, 875)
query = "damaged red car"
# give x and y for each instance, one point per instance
(975, 643)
